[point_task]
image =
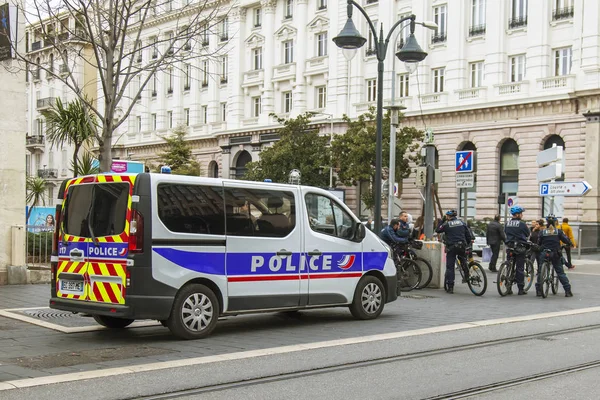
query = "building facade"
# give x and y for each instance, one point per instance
(504, 78)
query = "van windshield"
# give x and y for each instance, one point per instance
(99, 207)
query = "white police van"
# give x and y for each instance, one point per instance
(186, 250)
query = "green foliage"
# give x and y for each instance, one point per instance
(35, 193)
(72, 124)
(299, 147)
(354, 152)
(179, 154)
(85, 165)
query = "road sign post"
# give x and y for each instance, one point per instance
(550, 162)
(464, 167)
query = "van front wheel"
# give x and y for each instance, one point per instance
(195, 312)
(369, 298)
(112, 322)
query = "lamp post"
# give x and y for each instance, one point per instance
(392, 168)
(330, 117)
(350, 39)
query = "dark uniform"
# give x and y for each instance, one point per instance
(457, 237)
(517, 233)
(551, 241)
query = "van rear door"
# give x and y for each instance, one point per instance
(94, 246)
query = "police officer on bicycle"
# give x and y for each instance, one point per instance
(550, 239)
(457, 237)
(517, 235)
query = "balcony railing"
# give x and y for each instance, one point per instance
(471, 93)
(224, 37)
(512, 88)
(47, 173)
(252, 78)
(370, 52)
(517, 22)
(563, 13)
(35, 141)
(556, 82)
(63, 36)
(45, 103)
(477, 30)
(205, 43)
(49, 41)
(64, 69)
(36, 45)
(35, 75)
(223, 79)
(438, 38)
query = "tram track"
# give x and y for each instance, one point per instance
(239, 384)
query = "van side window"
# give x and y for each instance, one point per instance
(326, 216)
(259, 213)
(187, 208)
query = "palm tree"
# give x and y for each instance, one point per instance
(71, 124)
(85, 165)
(36, 190)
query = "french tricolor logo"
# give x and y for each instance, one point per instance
(346, 262)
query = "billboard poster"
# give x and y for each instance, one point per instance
(5, 37)
(41, 219)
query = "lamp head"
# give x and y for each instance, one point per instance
(411, 52)
(349, 37)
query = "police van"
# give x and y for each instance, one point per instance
(186, 250)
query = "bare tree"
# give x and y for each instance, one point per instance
(110, 36)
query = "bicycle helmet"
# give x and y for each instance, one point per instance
(451, 213)
(551, 219)
(516, 210)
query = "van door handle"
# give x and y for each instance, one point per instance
(314, 253)
(76, 254)
(284, 253)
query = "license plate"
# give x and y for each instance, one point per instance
(72, 286)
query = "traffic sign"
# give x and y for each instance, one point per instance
(549, 156)
(464, 161)
(465, 180)
(567, 189)
(549, 172)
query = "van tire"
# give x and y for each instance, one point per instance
(204, 301)
(372, 290)
(112, 322)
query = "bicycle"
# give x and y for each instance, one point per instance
(408, 271)
(549, 278)
(471, 272)
(508, 270)
(424, 265)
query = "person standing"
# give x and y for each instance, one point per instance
(536, 228)
(456, 238)
(566, 228)
(517, 235)
(495, 236)
(550, 238)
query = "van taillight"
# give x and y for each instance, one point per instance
(57, 223)
(136, 232)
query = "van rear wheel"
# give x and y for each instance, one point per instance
(195, 312)
(112, 322)
(369, 298)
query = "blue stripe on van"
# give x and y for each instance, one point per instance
(207, 263)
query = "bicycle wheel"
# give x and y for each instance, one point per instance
(409, 275)
(545, 273)
(503, 281)
(426, 272)
(554, 280)
(477, 279)
(529, 275)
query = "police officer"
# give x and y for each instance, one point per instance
(457, 237)
(517, 234)
(550, 239)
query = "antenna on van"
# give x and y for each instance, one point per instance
(294, 177)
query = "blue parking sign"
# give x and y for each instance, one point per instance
(544, 188)
(464, 161)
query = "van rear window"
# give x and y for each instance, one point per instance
(96, 209)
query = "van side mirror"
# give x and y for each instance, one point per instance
(359, 232)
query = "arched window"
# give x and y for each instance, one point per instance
(558, 208)
(213, 169)
(467, 196)
(509, 167)
(240, 165)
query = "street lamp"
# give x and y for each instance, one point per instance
(350, 38)
(330, 117)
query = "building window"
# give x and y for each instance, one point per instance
(256, 106)
(321, 4)
(563, 9)
(438, 80)
(257, 58)
(321, 44)
(477, 18)
(154, 42)
(476, 77)
(509, 167)
(186, 116)
(223, 112)
(440, 17)
(137, 51)
(518, 14)
(257, 17)
(371, 90)
(371, 46)
(287, 102)
(321, 96)
(224, 69)
(289, 9)
(153, 85)
(403, 83)
(204, 35)
(169, 80)
(288, 51)
(223, 30)
(138, 124)
(169, 119)
(204, 114)
(51, 65)
(204, 73)
(562, 61)
(187, 72)
(153, 121)
(517, 68)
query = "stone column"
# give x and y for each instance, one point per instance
(299, 94)
(495, 39)
(586, 41)
(538, 57)
(456, 67)
(268, 105)
(591, 202)
(236, 67)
